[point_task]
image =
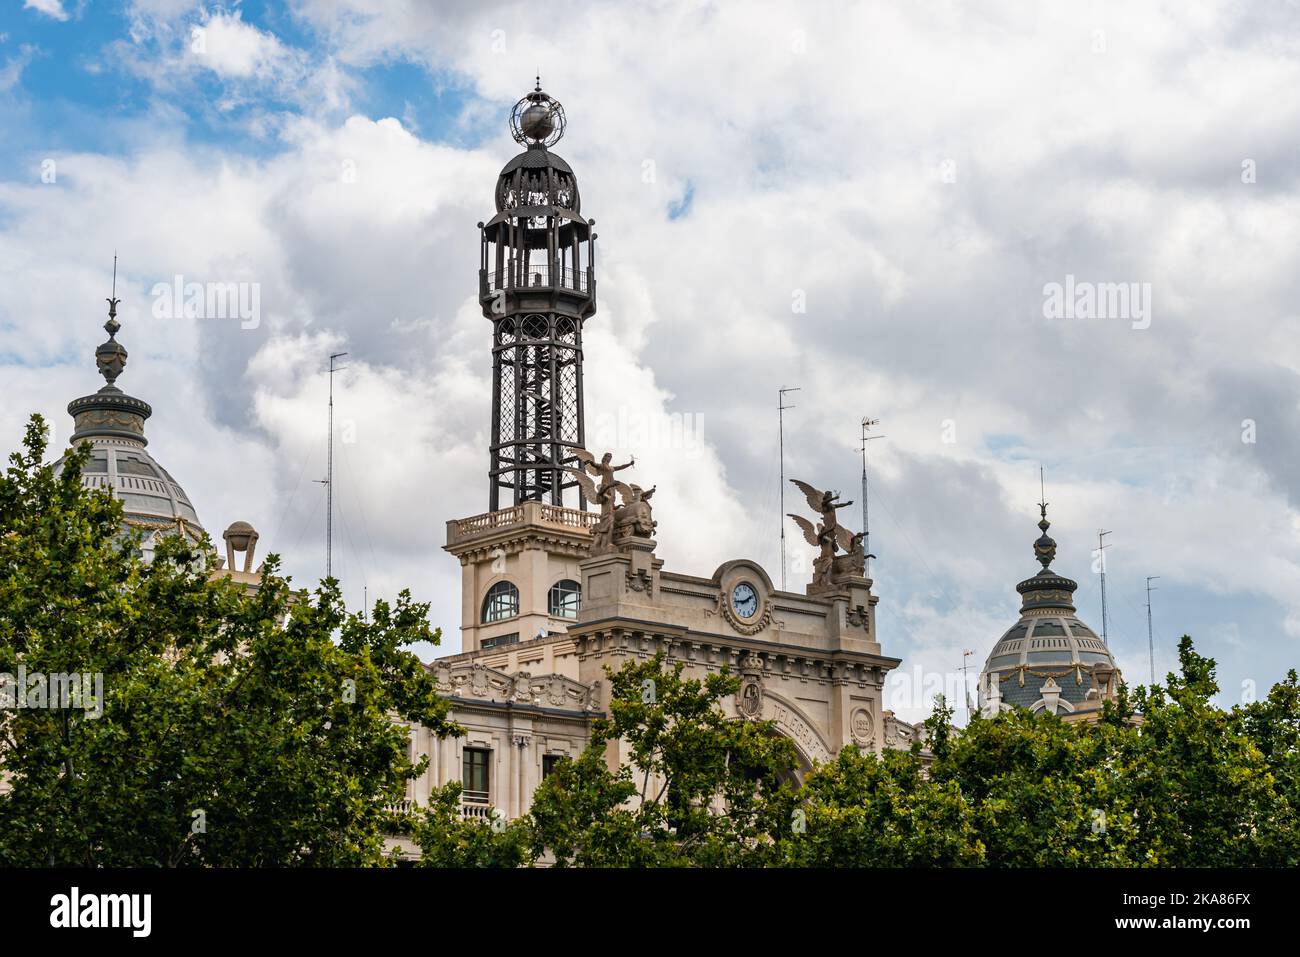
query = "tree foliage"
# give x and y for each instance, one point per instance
(689, 785)
(1164, 778)
(236, 729)
(270, 728)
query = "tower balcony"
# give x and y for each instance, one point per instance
(508, 523)
(536, 277)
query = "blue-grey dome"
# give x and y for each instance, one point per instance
(1049, 660)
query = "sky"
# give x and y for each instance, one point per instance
(1056, 235)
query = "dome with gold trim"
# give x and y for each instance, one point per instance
(1049, 660)
(112, 422)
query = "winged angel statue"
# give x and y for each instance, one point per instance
(631, 518)
(829, 536)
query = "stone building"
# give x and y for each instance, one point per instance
(560, 580)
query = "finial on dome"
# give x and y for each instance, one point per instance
(110, 357)
(113, 325)
(1044, 547)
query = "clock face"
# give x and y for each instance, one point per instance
(744, 600)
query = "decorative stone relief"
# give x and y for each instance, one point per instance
(749, 697)
(859, 617)
(640, 581)
(862, 728)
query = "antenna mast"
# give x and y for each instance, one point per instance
(867, 423)
(1151, 645)
(329, 476)
(780, 415)
(1101, 558)
(965, 683)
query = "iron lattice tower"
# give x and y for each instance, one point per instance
(537, 284)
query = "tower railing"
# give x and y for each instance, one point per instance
(541, 513)
(541, 275)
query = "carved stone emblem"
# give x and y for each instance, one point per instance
(858, 617)
(862, 728)
(555, 691)
(523, 691)
(640, 580)
(478, 682)
(749, 698)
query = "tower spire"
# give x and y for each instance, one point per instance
(1045, 546)
(537, 285)
(110, 411)
(110, 357)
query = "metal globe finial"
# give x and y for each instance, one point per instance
(537, 120)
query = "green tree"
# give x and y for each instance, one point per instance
(690, 786)
(864, 810)
(447, 839)
(236, 729)
(1208, 787)
(1043, 793)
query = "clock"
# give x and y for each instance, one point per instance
(744, 600)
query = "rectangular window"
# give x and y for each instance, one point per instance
(500, 640)
(476, 779)
(549, 761)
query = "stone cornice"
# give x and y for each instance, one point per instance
(623, 636)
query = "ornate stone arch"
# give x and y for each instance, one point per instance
(809, 743)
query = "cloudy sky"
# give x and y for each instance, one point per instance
(868, 201)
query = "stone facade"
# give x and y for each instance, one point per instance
(809, 662)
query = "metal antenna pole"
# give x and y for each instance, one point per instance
(780, 431)
(866, 526)
(329, 476)
(1101, 557)
(1151, 646)
(965, 683)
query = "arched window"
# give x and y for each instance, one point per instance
(502, 602)
(565, 599)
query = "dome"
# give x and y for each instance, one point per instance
(150, 497)
(538, 179)
(112, 423)
(1049, 660)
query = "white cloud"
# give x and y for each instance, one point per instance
(12, 71)
(815, 142)
(51, 8)
(226, 45)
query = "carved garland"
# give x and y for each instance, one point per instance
(1021, 671)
